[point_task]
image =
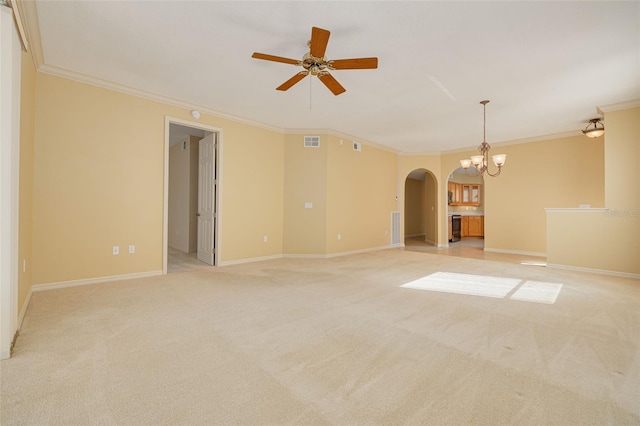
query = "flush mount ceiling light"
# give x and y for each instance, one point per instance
(481, 162)
(595, 131)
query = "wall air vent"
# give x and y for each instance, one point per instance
(312, 141)
(357, 146)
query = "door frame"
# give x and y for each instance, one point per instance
(165, 215)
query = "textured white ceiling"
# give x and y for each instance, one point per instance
(545, 66)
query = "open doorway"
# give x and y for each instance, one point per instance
(191, 195)
(465, 209)
(420, 208)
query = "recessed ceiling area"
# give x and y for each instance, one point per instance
(545, 66)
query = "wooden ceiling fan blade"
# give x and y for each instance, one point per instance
(293, 80)
(331, 83)
(319, 41)
(354, 64)
(274, 58)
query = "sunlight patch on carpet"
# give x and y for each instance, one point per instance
(482, 285)
(476, 285)
(536, 291)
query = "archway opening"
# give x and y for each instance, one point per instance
(465, 209)
(420, 208)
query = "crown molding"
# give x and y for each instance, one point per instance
(128, 90)
(32, 30)
(619, 106)
(341, 135)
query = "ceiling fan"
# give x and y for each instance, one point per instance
(315, 63)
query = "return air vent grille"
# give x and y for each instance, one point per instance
(312, 141)
(395, 229)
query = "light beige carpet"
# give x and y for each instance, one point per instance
(335, 341)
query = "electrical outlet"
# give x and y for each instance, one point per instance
(132, 249)
(265, 238)
(116, 250)
(339, 236)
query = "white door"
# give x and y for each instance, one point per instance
(206, 198)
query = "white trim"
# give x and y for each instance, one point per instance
(19, 22)
(525, 253)
(332, 132)
(594, 271)
(414, 235)
(10, 74)
(25, 306)
(32, 29)
(576, 210)
(563, 135)
(250, 260)
(168, 120)
(340, 254)
(619, 106)
(110, 85)
(89, 281)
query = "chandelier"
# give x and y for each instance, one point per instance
(481, 162)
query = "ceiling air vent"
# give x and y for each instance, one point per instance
(357, 146)
(312, 141)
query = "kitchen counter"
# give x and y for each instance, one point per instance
(469, 213)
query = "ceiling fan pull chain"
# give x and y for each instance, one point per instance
(310, 92)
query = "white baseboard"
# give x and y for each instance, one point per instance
(339, 254)
(249, 260)
(414, 235)
(594, 271)
(23, 311)
(367, 250)
(75, 283)
(525, 253)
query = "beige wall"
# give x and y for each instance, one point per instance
(605, 240)
(305, 181)
(413, 207)
(252, 193)
(622, 159)
(179, 196)
(183, 195)
(464, 178)
(27, 136)
(421, 208)
(352, 195)
(431, 164)
(361, 188)
(562, 172)
(430, 208)
(98, 182)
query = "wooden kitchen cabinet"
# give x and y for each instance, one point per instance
(455, 190)
(463, 194)
(472, 226)
(475, 226)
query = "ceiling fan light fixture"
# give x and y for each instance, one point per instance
(595, 131)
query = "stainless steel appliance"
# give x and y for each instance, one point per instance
(456, 227)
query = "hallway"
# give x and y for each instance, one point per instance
(470, 247)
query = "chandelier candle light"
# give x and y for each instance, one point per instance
(481, 162)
